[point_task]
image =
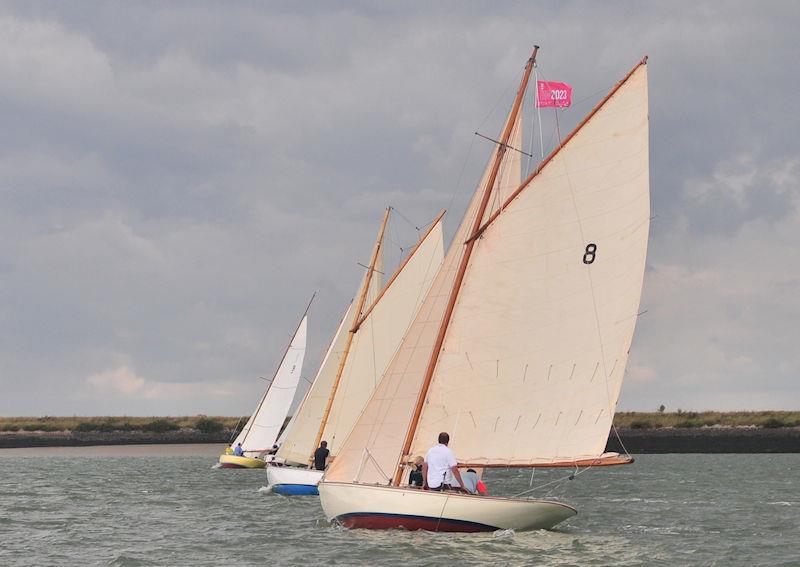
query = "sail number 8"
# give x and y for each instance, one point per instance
(588, 255)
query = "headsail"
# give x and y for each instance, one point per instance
(261, 430)
(533, 357)
(382, 323)
(380, 333)
(381, 428)
(300, 436)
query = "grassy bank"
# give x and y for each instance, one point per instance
(203, 423)
(691, 419)
(214, 424)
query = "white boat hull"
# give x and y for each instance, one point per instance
(384, 507)
(293, 481)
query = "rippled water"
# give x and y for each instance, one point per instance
(165, 505)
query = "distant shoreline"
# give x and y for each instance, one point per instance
(712, 439)
(637, 441)
(23, 439)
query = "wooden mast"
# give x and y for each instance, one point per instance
(469, 245)
(362, 297)
(285, 352)
(399, 269)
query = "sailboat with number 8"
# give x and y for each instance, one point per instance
(519, 348)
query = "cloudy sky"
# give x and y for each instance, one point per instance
(177, 179)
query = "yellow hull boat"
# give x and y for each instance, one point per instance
(234, 462)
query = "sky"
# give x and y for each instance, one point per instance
(177, 179)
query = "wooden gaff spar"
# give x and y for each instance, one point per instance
(519, 350)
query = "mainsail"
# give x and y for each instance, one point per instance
(533, 355)
(263, 427)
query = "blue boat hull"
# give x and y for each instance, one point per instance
(295, 489)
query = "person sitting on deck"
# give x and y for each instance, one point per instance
(415, 477)
(321, 456)
(238, 451)
(440, 470)
(472, 482)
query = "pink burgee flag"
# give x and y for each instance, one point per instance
(550, 94)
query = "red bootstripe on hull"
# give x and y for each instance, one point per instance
(230, 466)
(374, 521)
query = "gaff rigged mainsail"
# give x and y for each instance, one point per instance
(532, 359)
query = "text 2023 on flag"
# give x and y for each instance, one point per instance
(552, 94)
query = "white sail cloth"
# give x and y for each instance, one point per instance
(379, 335)
(373, 346)
(299, 443)
(534, 356)
(373, 447)
(533, 359)
(263, 427)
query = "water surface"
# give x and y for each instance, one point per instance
(165, 505)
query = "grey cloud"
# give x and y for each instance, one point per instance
(175, 180)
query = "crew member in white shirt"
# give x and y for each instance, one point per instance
(440, 469)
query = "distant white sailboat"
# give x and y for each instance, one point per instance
(520, 346)
(261, 430)
(363, 345)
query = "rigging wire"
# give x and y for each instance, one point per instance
(458, 188)
(539, 112)
(394, 233)
(502, 96)
(405, 218)
(557, 481)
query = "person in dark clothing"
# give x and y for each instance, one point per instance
(415, 477)
(321, 456)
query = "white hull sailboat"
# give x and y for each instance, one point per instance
(385, 507)
(519, 349)
(293, 481)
